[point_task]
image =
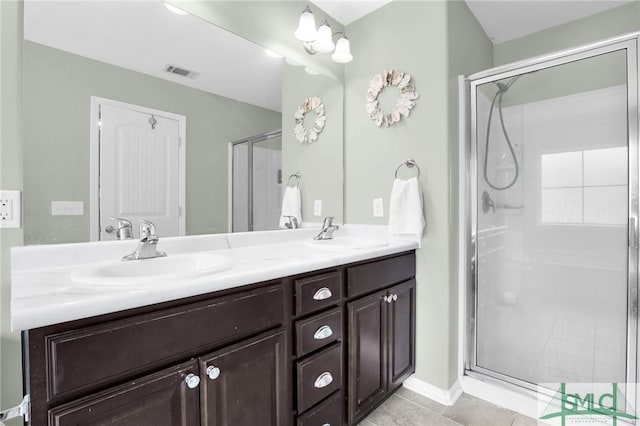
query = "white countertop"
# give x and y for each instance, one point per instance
(42, 292)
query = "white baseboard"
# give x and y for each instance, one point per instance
(442, 396)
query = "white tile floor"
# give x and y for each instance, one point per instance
(406, 408)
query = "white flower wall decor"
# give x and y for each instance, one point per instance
(404, 104)
(303, 135)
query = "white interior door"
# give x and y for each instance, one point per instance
(140, 176)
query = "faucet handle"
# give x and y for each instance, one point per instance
(147, 229)
(328, 221)
(292, 222)
(125, 228)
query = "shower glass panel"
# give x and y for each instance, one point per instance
(551, 231)
(257, 182)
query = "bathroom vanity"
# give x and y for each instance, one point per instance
(322, 346)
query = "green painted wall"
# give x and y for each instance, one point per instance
(620, 20)
(57, 91)
(434, 42)
(11, 13)
(469, 50)
(320, 163)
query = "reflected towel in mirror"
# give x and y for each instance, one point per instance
(406, 215)
(290, 205)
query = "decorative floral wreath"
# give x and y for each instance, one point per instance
(404, 104)
(303, 135)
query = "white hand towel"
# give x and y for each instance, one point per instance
(405, 208)
(291, 206)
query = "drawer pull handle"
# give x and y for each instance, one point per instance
(192, 381)
(322, 294)
(323, 332)
(213, 372)
(323, 380)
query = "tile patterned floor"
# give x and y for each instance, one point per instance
(406, 408)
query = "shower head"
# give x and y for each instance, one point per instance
(502, 87)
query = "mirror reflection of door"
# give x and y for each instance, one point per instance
(257, 182)
(140, 170)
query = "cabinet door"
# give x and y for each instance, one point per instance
(367, 354)
(246, 384)
(402, 313)
(160, 399)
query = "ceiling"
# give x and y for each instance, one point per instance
(502, 20)
(149, 37)
(506, 20)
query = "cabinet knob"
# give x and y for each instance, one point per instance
(213, 372)
(322, 294)
(323, 380)
(395, 297)
(323, 332)
(388, 299)
(192, 381)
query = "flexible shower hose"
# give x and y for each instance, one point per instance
(502, 89)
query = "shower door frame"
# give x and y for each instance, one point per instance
(469, 200)
(250, 141)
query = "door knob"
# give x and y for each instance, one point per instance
(213, 372)
(192, 381)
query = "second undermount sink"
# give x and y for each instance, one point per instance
(347, 243)
(148, 271)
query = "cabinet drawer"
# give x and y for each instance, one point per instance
(91, 357)
(317, 292)
(319, 376)
(318, 331)
(328, 413)
(373, 276)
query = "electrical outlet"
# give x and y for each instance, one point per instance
(317, 207)
(378, 207)
(10, 213)
(67, 208)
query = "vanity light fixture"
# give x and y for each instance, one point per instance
(321, 39)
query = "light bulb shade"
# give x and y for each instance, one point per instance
(324, 42)
(306, 27)
(342, 55)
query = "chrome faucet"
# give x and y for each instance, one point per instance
(328, 228)
(292, 223)
(148, 242)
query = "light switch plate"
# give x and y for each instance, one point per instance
(317, 207)
(10, 209)
(67, 208)
(378, 207)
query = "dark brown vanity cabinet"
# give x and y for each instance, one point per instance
(381, 330)
(219, 361)
(317, 349)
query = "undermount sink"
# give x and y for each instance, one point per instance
(347, 243)
(148, 271)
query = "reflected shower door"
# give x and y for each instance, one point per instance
(552, 189)
(257, 182)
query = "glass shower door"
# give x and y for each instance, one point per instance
(551, 227)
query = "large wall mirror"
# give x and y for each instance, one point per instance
(121, 97)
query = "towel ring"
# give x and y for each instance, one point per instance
(410, 163)
(295, 175)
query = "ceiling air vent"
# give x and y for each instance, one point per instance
(181, 71)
